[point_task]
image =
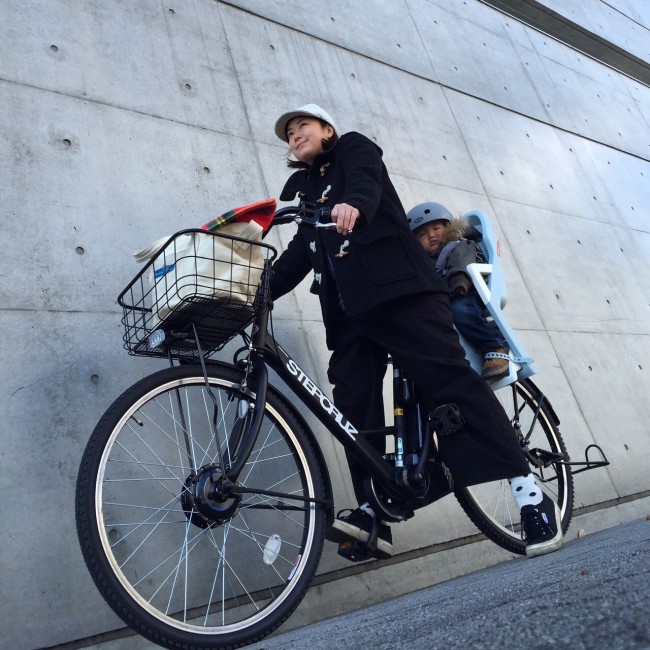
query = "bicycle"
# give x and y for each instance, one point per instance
(203, 496)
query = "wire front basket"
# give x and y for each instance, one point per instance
(196, 281)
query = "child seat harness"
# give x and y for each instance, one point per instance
(446, 251)
(449, 248)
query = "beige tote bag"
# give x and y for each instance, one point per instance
(201, 265)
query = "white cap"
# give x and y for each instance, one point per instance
(312, 110)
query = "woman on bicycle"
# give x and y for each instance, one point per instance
(380, 295)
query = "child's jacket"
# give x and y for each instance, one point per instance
(454, 256)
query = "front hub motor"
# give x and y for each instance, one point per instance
(204, 500)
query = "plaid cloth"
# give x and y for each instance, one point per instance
(261, 212)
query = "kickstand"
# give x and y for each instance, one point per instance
(357, 551)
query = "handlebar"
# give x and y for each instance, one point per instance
(306, 213)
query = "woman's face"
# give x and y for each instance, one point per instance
(306, 135)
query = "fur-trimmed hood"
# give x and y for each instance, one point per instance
(457, 227)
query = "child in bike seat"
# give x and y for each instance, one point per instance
(441, 236)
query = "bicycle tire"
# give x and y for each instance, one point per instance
(173, 573)
(491, 506)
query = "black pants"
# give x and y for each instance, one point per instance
(417, 332)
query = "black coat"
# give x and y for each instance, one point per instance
(386, 262)
(383, 259)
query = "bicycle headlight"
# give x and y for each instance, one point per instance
(156, 339)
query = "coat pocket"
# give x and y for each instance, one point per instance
(385, 256)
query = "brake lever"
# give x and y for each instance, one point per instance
(314, 216)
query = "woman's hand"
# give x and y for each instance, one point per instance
(344, 216)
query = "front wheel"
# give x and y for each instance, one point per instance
(185, 559)
(490, 505)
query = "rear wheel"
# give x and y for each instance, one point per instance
(490, 505)
(181, 556)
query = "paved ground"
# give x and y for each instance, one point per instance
(593, 594)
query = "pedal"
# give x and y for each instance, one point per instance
(446, 419)
(355, 551)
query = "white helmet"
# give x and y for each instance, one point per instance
(309, 110)
(427, 212)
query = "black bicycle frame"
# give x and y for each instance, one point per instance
(324, 409)
(266, 351)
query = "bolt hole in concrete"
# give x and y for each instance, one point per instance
(54, 48)
(172, 12)
(206, 170)
(80, 250)
(66, 142)
(188, 87)
(94, 379)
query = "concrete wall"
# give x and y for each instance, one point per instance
(123, 121)
(624, 23)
